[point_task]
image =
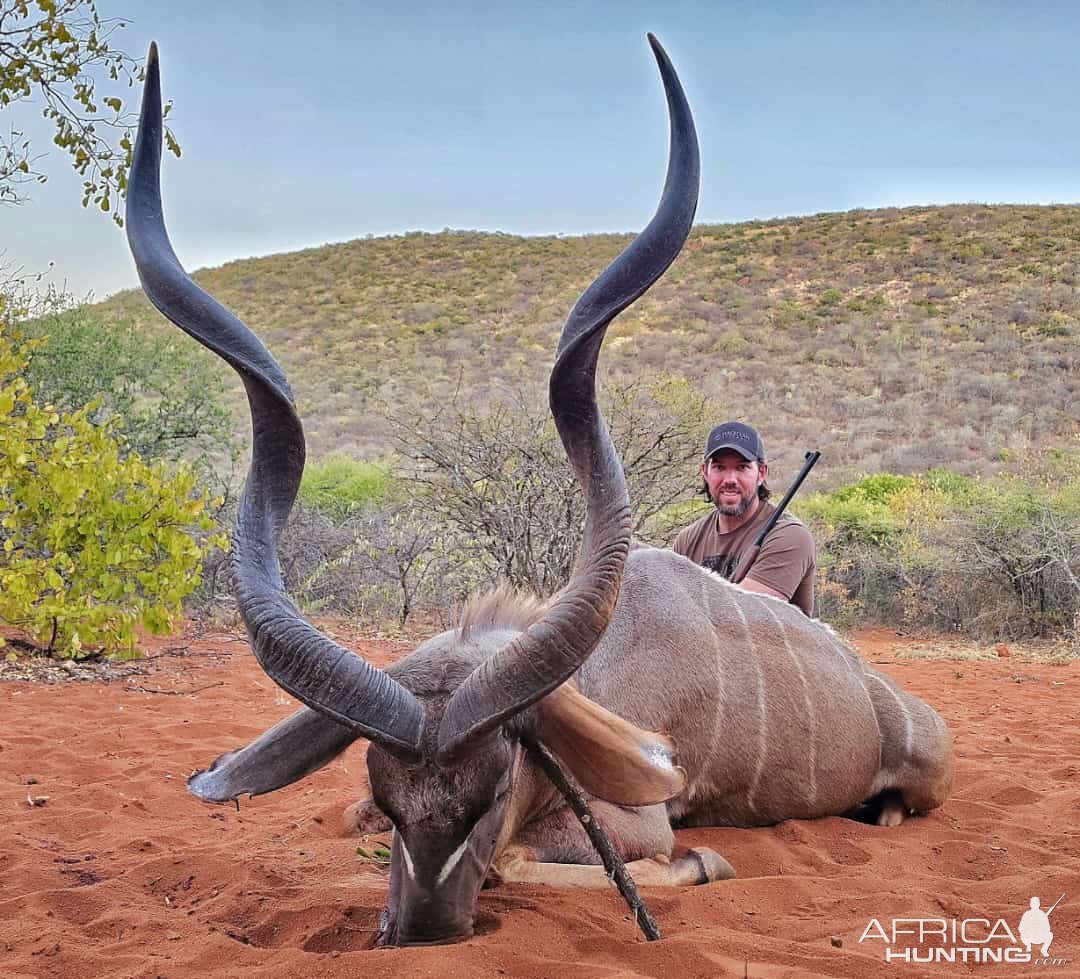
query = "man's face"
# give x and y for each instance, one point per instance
(733, 481)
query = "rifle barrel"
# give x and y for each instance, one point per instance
(811, 458)
(748, 558)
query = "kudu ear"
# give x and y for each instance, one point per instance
(611, 758)
(291, 749)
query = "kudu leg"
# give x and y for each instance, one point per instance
(893, 810)
(555, 850)
(701, 866)
(917, 759)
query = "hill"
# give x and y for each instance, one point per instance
(892, 339)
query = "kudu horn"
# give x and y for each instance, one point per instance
(318, 672)
(550, 651)
(325, 676)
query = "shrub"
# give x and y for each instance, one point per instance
(380, 563)
(338, 486)
(995, 558)
(499, 484)
(859, 513)
(162, 386)
(93, 541)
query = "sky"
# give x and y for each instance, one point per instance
(302, 126)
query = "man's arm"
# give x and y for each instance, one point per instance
(782, 561)
(749, 584)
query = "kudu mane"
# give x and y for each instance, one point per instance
(504, 607)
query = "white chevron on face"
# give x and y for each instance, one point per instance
(451, 863)
(408, 859)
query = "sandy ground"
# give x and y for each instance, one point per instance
(119, 872)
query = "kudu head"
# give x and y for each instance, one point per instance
(444, 722)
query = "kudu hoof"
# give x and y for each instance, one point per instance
(893, 811)
(706, 866)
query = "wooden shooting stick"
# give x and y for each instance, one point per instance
(748, 558)
(613, 863)
(575, 798)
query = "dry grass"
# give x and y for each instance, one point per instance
(1056, 651)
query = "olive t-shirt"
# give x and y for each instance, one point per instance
(785, 563)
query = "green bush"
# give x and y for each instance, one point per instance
(338, 486)
(878, 488)
(93, 540)
(993, 558)
(860, 512)
(165, 388)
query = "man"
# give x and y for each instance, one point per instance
(734, 471)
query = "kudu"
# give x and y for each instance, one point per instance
(773, 715)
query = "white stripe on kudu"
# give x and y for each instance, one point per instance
(408, 858)
(763, 717)
(903, 710)
(810, 714)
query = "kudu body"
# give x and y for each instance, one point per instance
(773, 716)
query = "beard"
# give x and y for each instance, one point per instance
(736, 509)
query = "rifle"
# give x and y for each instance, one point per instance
(751, 555)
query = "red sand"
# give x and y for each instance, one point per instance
(122, 873)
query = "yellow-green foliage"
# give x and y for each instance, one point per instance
(997, 556)
(93, 543)
(56, 53)
(860, 511)
(338, 486)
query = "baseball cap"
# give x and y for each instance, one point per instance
(735, 435)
